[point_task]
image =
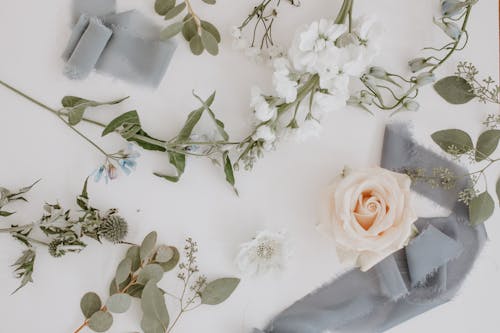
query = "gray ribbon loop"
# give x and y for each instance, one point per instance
(124, 45)
(426, 274)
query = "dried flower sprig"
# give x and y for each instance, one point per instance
(260, 22)
(201, 35)
(138, 275)
(459, 145)
(62, 232)
(393, 92)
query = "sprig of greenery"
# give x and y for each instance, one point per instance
(459, 145)
(62, 233)
(200, 34)
(263, 17)
(138, 275)
(393, 92)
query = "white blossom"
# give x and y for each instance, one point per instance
(265, 133)
(268, 251)
(263, 111)
(285, 87)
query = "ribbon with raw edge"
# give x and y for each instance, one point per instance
(425, 274)
(124, 45)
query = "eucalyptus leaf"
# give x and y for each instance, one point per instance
(5, 213)
(145, 144)
(210, 2)
(154, 309)
(100, 321)
(148, 245)
(82, 200)
(219, 290)
(123, 270)
(189, 29)
(191, 121)
(487, 144)
(169, 265)
(118, 303)
(196, 45)
(171, 30)
(151, 272)
(90, 304)
(163, 6)
(453, 138)
(127, 124)
(228, 170)
(175, 11)
(133, 253)
(454, 90)
(164, 254)
(212, 29)
(209, 42)
(481, 208)
(135, 290)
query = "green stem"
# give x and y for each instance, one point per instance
(56, 113)
(344, 11)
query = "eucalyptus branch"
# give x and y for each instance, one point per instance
(138, 275)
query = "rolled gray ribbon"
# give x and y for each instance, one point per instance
(124, 45)
(425, 274)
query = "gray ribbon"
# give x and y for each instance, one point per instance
(427, 273)
(124, 45)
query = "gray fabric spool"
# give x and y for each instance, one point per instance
(133, 52)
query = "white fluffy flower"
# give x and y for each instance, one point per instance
(311, 41)
(263, 111)
(285, 87)
(308, 129)
(326, 103)
(268, 251)
(264, 133)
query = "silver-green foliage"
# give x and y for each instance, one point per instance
(138, 275)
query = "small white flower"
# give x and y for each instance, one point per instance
(264, 133)
(326, 103)
(308, 129)
(236, 32)
(263, 111)
(268, 251)
(285, 87)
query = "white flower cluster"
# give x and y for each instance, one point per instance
(313, 78)
(257, 54)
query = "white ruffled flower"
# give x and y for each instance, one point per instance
(285, 87)
(326, 103)
(264, 133)
(263, 111)
(268, 251)
(311, 41)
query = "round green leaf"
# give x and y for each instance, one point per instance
(219, 290)
(196, 45)
(90, 304)
(487, 144)
(171, 30)
(163, 6)
(175, 11)
(100, 321)
(453, 137)
(118, 303)
(135, 290)
(148, 245)
(212, 29)
(481, 208)
(164, 254)
(123, 270)
(189, 29)
(152, 272)
(209, 42)
(169, 265)
(454, 90)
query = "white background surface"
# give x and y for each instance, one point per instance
(278, 194)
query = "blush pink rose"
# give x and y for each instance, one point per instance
(369, 214)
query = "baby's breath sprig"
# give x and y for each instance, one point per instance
(393, 92)
(439, 178)
(62, 233)
(138, 276)
(486, 89)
